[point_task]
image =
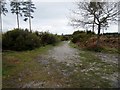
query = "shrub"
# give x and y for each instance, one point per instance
(90, 32)
(64, 38)
(95, 48)
(80, 36)
(47, 38)
(75, 38)
(19, 39)
(32, 41)
(78, 32)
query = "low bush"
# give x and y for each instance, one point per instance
(105, 44)
(81, 36)
(64, 38)
(19, 39)
(48, 38)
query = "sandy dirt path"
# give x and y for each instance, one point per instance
(64, 67)
(64, 53)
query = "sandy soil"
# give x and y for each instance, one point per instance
(65, 53)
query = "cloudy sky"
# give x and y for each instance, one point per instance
(49, 16)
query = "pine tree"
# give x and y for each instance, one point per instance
(16, 7)
(3, 10)
(28, 9)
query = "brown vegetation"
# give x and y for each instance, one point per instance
(105, 42)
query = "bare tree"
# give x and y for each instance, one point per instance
(3, 10)
(98, 13)
(28, 9)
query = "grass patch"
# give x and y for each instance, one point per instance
(111, 50)
(86, 74)
(73, 45)
(96, 68)
(92, 70)
(17, 62)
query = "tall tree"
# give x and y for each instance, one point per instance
(99, 13)
(3, 10)
(28, 9)
(16, 7)
(93, 6)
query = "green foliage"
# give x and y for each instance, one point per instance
(28, 9)
(95, 48)
(88, 41)
(19, 39)
(78, 32)
(48, 38)
(16, 7)
(3, 9)
(84, 40)
(75, 38)
(64, 38)
(90, 33)
(81, 36)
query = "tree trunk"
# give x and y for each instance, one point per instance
(0, 17)
(30, 16)
(18, 20)
(0, 23)
(103, 31)
(98, 36)
(93, 24)
(30, 24)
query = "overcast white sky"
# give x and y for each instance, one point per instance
(49, 16)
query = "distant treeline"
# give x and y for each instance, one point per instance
(112, 34)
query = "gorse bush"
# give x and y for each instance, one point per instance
(47, 38)
(65, 38)
(81, 36)
(19, 40)
(75, 38)
(82, 39)
(90, 32)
